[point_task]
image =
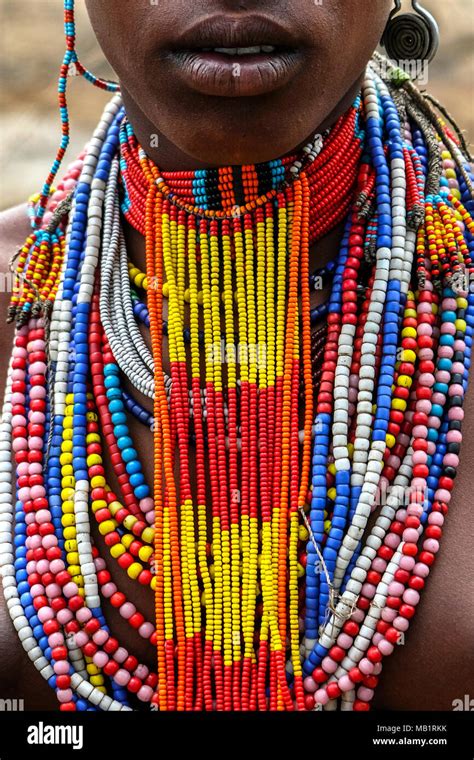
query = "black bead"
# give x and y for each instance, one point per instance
(453, 448)
(450, 472)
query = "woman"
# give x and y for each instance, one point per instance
(283, 567)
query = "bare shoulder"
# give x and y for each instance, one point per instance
(14, 229)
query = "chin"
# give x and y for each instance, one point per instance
(235, 131)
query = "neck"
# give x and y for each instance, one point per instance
(169, 157)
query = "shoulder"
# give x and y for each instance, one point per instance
(14, 229)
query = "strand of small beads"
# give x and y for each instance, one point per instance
(253, 610)
(389, 572)
(203, 190)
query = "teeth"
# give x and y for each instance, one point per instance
(244, 50)
(249, 50)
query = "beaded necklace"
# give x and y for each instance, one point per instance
(270, 593)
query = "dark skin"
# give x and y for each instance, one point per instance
(198, 128)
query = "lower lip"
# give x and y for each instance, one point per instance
(236, 76)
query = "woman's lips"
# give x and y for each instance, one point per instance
(239, 73)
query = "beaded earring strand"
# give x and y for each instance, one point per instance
(269, 592)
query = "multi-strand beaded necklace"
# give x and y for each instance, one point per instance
(272, 445)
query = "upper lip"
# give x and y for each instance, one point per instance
(236, 31)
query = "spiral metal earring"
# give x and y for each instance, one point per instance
(411, 36)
